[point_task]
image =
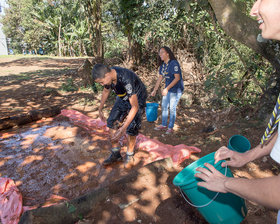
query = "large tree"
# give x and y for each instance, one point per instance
(242, 28)
(93, 10)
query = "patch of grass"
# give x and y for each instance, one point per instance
(96, 87)
(87, 101)
(23, 77)
(21, 56)
(87, 88)
(39, 73)
(10, 56)
(71, 208)
(51, 72)
(69, 86)
(6, 70)
(183, 138)
(48, 90)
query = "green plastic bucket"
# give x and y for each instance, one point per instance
(239, 143)
(223, 208)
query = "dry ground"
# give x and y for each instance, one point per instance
(28, 83)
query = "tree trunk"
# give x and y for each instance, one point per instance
(59, 32)
(129, 38)
(242, 28)
(34, 115)
(137, 53)
(93, 13)
(88, 5)
(98, 30)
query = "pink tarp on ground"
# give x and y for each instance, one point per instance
(157, 149)
(10, 202)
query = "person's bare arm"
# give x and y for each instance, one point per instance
(134, 109)
(104, 97)
(264, 191)
(160, 78)
(237, 159)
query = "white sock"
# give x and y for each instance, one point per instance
(130, 153)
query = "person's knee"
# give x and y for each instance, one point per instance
(173, 106)
(164, 107)
(173, 109)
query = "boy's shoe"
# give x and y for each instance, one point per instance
(169, 131)
(160, 127)
(114, 157)
(128, 161)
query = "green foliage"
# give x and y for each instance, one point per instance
(97, 87)
(71, 207)
(233, 74)
(32, 24)
(69, 86)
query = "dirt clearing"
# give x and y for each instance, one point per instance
(68, 158)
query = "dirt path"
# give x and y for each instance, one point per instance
(36, 82)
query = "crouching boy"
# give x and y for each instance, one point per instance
(128, 108)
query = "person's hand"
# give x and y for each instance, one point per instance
(213, 179)
(153, 93)
(164, 92)
(233, 158)
(101, 116)
(118, 134)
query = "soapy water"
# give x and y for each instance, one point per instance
(50, 162)
(61, 158)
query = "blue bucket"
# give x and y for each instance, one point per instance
(222, 208)
(151, 111)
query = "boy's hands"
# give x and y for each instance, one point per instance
(118, 134)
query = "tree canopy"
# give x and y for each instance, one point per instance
(219, 33)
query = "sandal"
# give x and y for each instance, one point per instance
(160, 127)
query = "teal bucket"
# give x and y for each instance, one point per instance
(222, 208)
(151, 111)
(239, 143)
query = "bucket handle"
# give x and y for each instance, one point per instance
(201, 206)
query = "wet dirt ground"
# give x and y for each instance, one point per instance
(50, 159)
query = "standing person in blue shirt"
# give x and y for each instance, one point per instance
(170, 71)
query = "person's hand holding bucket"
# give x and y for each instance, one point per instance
(213, 179)
(235, 153)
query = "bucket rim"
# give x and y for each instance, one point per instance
(240, 136)
(189, 171)
(152, 104)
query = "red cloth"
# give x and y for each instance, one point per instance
(10, 202)
(157, 149)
